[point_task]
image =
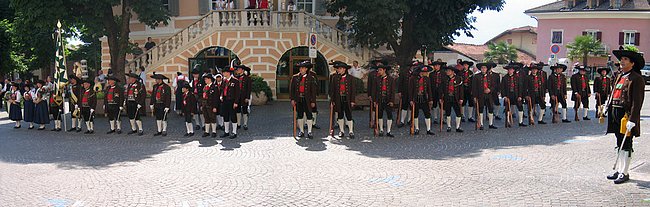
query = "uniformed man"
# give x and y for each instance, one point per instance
(384, 98)
(197, 89)
(218, 83)
(436, 78)
(113, 104)
(484, 87)
(161, 98)
(451, 92)
(602, 89)
(209, 102)
(402, 91)
(512, 88)
(342, 93)
(303, 91)
(74, 93)
(421, 97)
(626, 103)
(580, 86)
(557, 89)
(372, 80)
(88, 104)
(466, 74)
(536, 91)
(314, 110)
(245, 83)
(134, 100)
(188, 104)
(230, 95)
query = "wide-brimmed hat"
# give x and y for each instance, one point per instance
(70, 77)
(488, 65)
(564, 67)
(158, 76)
(599, 70)
(513, 65)
(133, 75)
(581, 67)
(208, 76)
(635, 57)
(243, 67)
(307, 64)
(535, 66)
(195, 71)
(187, 86)
(340, 64)
(423, 68)
(113, 78)
(470, 63)
(385, 67)
(445, 68)
(438, 63)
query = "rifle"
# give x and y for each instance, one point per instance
(372, 105)
(412, 119)
(399, 110)
(478, 111)
(331, 117)
(441, 112)
(508, 122)
(294, 121)
(601, 108)
(376, 119)
(577, 105)
(556, 112)
(531, 119)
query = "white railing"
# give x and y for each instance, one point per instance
(236, 20)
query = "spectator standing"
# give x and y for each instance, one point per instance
(142, 74)
(147, 46)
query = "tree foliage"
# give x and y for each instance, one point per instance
(407, 26)
(583, 46)
(500, 53)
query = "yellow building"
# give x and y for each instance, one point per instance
(523, 38)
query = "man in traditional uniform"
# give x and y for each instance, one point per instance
(230, 96)
(188, 104)
(303, 91)
(197, 90)
(372, 83)
(74, 93)
(484, 87)
(557, 89)
(602, 89)
(113, 104)
(421, 97)
(436, 78)
(161, 98)
(245, 83)
(466, 74)
(134, 100)
(209, 105)
(383, 97)
(536, 91)
(402, 91)
(451, 92)
(512, 88)
(342, 93)
(625, 106)
(581, 90)
(88, 104)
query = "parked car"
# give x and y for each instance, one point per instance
(645, 72)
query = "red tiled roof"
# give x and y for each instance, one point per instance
(475, 52)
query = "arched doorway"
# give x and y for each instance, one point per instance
(212, 58)
(286, 69)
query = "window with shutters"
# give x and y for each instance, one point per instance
(629, 38)
(557, 37)
(165, 4)
(597, 35)
(305, 5)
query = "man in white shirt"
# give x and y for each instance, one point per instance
(357, 71)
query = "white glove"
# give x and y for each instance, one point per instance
(92, 110)
(76, 106)
(630, 125)
(151, 107)
(121, 108)
(139, 106)
(166, 110)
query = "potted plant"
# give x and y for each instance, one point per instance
(260, 91)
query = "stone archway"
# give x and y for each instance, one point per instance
(286, 69)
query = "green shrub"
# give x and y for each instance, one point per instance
(259, 85)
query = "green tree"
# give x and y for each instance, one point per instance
(407, 26)
(582, 47)
(93, 18)
(500, 53)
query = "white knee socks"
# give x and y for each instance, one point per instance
(389, 123)
(351, 126)
(520, 116)
(158, 125)
(427, 122)
(301, 125)
(310, 124)
(490, 119)
(563, 114)
(541, 115)
(139, 123)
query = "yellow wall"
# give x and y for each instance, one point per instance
(522, 40)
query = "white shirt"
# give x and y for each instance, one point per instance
(356, 72)
(143, 76)
(180, 77)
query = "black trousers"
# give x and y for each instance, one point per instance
(242, 108)
(618, 114)
(210, 117)
(468, 97)
(561, 101)
(228, 112)
(303, 107)
(584, 102)
(449, 103)
(424, 107)
(159, 111)
(112, 110)
(188, 117)
(485, 102)
(132, 110)
(85, 113)
(603, 99)
(344, 110)
(539, 100)
(406, 105)
(56, 112)
(514, 102)
(384, 107)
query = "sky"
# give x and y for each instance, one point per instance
(491, 23)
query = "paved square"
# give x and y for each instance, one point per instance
(543, 165)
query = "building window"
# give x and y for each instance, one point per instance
(509, 41)
(305, 5)
(165, 4)
(557, 37)
(629, 37)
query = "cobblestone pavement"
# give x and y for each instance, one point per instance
(543, 165)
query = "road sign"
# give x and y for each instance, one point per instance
(555, 49)
(553, 56)
(313, 40)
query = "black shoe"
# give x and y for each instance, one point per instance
(459, 130)
(41, 128)
(245, 127)
(612, 176)
(31, 127)
(472, 120)
(92, 132)
(462, 120)
(400, 125)
(522, 125)
(493, 127)
(164, 133)
(388, 134)
(238, 126)
(316, 127)
(16, 127)
(70, 130)
(110, 132)
(497, 117)
(541, 122)
(416, 132)
(622, 178)
(224, 135)
(87, 132)
(381, 133)
(119, 131)
(197, 127)
(351, 135)
(157, 134)
(186, 135)
(54, 129)
(310, 135)
(59, 129)
(220, 127)
(192, 134)
(481, 128)
(203, 128)
(301, 134)
(565, 121)
(132, 132)
(79, 129)
(205, 134)
(214, 135)
(430, 133)
(586, 118)
(341, 135)
(233, 136)
(140, 133)
(448, 129)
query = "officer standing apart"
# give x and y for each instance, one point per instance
(342, 93)
(303, 91)
(626, 102)
(161, 98)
